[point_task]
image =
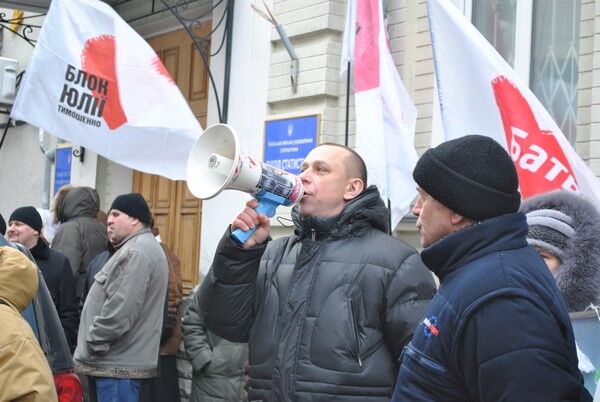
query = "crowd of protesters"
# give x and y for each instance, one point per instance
(338, 311)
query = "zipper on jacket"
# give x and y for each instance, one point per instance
(423, 359)
(313, 234)
(355, 333)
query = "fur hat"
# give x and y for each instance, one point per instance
(579, 275)
(29, 216)
(134, 205)
(472, 175)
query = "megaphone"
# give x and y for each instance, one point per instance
(217, 163)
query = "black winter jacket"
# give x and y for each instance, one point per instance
(58, 276)
(326, 311)
(497, 330)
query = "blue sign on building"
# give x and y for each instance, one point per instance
(288, 141)
(62, 169)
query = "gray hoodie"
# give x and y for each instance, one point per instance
(80, 237)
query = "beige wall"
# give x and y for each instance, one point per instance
(588, 111)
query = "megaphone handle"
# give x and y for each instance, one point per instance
(265, 206)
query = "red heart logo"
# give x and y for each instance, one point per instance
(99, 58)
(540, 161)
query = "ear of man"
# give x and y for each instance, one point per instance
(460, 220)
(354, 188)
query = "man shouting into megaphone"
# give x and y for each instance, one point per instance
(327, 310)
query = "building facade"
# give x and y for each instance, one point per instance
(554, 45)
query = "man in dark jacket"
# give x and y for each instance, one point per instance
(498, 329)
(80, 236)
(327, 310)
(25, 226)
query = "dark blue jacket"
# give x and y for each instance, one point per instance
(59, 278)
(497, 330)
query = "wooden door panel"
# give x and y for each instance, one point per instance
(187, 239)
(165, 192)
(170, 59)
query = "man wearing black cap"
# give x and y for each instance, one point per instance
(119, 334)
(497, 329)
(25, 226)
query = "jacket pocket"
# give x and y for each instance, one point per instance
(338, 340)
(354, 332)
(423, 360)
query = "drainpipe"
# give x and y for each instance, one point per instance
(49, 158)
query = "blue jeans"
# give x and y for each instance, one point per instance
(117, 389)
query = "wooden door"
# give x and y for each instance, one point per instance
(177, 213)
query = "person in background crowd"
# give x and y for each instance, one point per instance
(24, 371)
(219, 366)
(497, 330)
(564, 228)
(48, 226)
(80, 236)
(327, 310)
(121, 320)
(25, 227)
(2, 226)
(165, 387)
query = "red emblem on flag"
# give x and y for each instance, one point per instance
(99, 58)
(540, 161)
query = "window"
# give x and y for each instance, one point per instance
(496, 20)
(540, 39)
(555, 60)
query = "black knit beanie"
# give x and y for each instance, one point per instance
(2, 226)
(472, 175)
(134, 205)
(29, 216)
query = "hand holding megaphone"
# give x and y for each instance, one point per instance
(216, 163)
(249, 219)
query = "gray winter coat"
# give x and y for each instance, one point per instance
(326, 310)
(80, 237)
(579, 275)
(121, 321)
(219, 365)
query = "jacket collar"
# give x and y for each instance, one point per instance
(125, 240)
(40, 250)
(505, 232)
(360, 214)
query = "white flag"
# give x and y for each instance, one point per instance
(385, 114)
(92, 80)
(481, 94)
(349, 33)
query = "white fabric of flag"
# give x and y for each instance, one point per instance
(385, 114)
(481, 94)
(349, 33)
(93, 81)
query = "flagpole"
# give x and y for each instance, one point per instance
(347, 135)
(389, 205)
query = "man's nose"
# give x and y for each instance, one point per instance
(416, 208)
(304, 176)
